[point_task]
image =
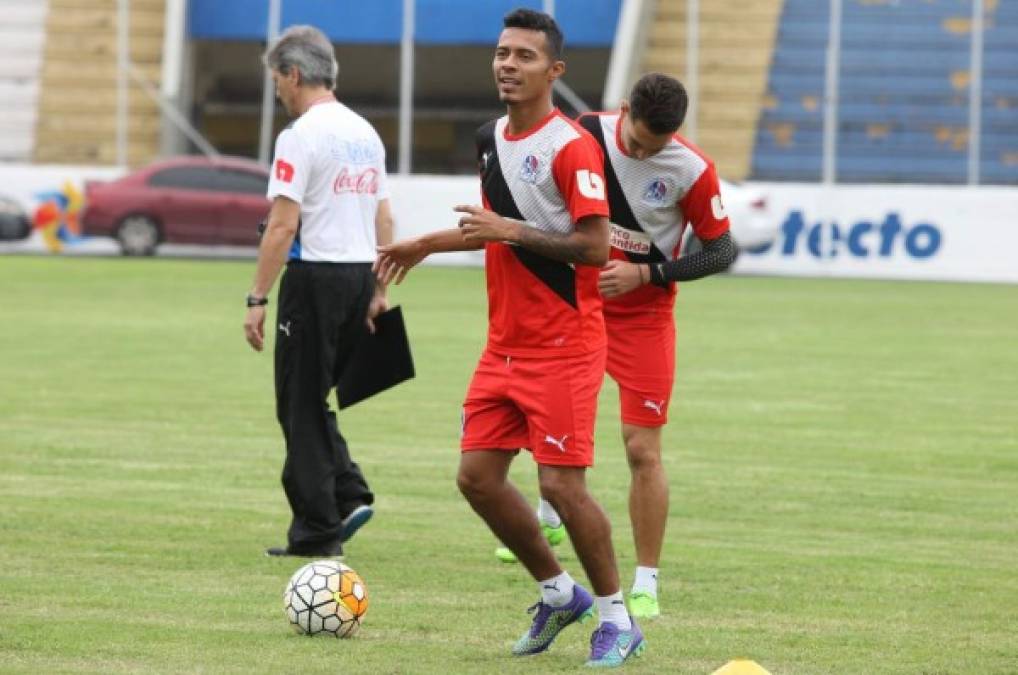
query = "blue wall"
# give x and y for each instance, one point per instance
(589, 23)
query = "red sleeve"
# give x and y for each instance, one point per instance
(578, 169)
(702, 207)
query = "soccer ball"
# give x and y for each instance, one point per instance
(325, 597)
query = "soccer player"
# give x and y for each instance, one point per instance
(657, 182)
(544, 229)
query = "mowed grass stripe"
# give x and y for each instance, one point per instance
(843, 459)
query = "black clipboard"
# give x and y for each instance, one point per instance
(380, 361)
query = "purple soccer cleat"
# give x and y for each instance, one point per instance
(549, 622)
(610, 646)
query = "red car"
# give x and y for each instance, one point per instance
(186, 200)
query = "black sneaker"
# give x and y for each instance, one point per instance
(331, 550)
(355, 519)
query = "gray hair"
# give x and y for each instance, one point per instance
(309, 51)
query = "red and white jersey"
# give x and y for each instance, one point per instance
(549, 177)
(652, 200)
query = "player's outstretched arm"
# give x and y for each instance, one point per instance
(395, 260)
(587, 244)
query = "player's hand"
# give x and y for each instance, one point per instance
(480, 224)
(378, 305)
(619, 277)
(254, 327)
(395, 260)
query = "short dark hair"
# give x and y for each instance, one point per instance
(660, 101)
(531, 19)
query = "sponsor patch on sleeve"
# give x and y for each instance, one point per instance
(284, 171)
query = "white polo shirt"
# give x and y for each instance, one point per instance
(331, 161)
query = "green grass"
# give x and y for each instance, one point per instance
(843, 459)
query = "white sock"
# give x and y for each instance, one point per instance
(547, 514)
(611, 609)
(557, 591)
(646, 580)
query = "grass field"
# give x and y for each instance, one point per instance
(843, 459)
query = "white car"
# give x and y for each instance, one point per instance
(752, 222)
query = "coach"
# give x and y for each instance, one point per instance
(330, 208)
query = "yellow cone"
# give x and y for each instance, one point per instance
(741, 667)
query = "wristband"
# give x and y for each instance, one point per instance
(657, 273)
(255, 301)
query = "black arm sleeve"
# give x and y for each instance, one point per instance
(715, 256)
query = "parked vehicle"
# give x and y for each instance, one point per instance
(186, 200)
(752, 223)
(13, 220)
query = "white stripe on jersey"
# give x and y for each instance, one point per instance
(654, 186)
(527, 168)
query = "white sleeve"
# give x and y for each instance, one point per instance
(290, 168)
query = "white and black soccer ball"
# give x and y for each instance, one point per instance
(325, 597)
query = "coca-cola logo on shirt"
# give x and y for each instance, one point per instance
(363, 183)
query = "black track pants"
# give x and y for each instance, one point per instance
(322, 307)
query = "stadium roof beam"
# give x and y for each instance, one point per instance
(406, 87)
(829, 174)
(975, 92)
(268, 92)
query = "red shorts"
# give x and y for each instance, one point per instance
(641, 358)
(547, 406)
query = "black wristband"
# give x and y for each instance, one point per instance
(657, 275)
(255, 301)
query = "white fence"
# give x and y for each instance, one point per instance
(890, 232)
(874, 231)
(22, 35)
(877, 231)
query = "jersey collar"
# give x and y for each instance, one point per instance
(618, 135)
(555, 112)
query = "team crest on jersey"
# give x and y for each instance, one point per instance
(656, 193)
(530, 169)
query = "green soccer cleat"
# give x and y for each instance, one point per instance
(505, 555)
(643, 605)
(554, 535)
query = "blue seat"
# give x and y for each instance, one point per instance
(903, 112)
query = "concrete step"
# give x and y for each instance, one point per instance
(78, 21)
(100, 74)
(145, 48)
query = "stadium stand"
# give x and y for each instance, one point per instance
(22, 34)
(903, 93)
(736, 43)
(78, 85)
